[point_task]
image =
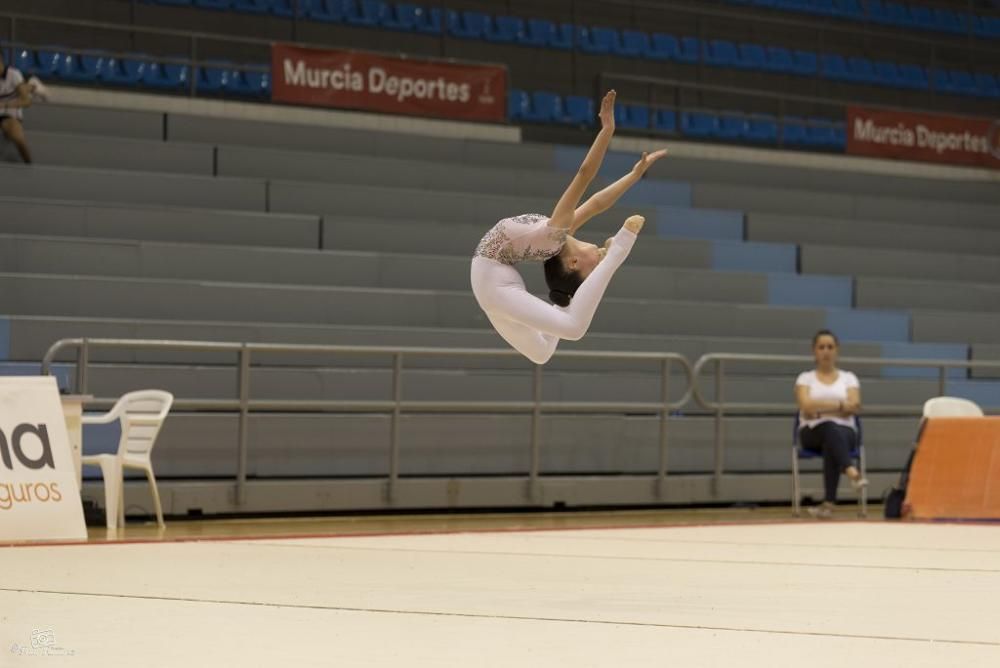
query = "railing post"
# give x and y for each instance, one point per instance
(397, 395)
(82, 362)
(536, 427)
(661, 478)
(720, 452)
(241, 450)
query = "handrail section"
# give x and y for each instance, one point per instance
(395, 406)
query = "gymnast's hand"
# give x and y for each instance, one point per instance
(607, 113)
(647, 160)
(634, 224)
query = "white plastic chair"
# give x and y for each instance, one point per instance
(141, 414)
(951, 407)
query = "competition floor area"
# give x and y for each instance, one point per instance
(600, 589)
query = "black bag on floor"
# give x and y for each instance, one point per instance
(893, 500)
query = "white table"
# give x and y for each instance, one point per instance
(72, 405)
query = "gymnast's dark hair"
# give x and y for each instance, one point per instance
(825, 332)
(562, 283)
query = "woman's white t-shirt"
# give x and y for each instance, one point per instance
(819, 391)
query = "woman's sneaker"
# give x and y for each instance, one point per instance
(859, 483)
(821, 512)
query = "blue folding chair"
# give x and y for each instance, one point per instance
(762, 129)
(752, 57)
(861, 70)
(948, 21)
(429, 20)
(720, 53)
(793, 131)
(545, 107)
(663, 47)
(123, 71)
(698, 124)
(800, 453)
(833, 66)
(913, 76)
(504, 29)
(665, 120)
(888, 74)
(731, 127)
(633, 44)
(466, 24)
(165, 76)
(362, 13)
(578, 110)
(252, 6)
(987, 85)
(596, 40)
(963, 82)
(805, 63)
(81, 68)
(779, 59)
(325, 11)
(518, 104)
(213, 78)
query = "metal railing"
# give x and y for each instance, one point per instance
(396, 406)
(719, 407)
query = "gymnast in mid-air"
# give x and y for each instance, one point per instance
(577, 273)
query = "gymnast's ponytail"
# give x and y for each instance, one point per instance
(562, 284)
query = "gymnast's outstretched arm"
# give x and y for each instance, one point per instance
(563, 215)
(604, 199)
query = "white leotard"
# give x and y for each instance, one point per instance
(531, 326)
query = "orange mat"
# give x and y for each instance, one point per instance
(956, 472)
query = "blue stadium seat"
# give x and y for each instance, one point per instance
(839, 137)
(820, 134)
(545, 107)
(466, 24)
(849, 9)
(252, 6)
(165, 76)
(662, 47)
(987, 85)
(948, 21)
(429, 21)
(805, 63)
(923, 18)
(762, 129)
(81, 68)
(24, 60)
(218, 5)
(402, 16)
(833, 66)
(731, 127)
(517, 104)
(326, 11)
(913, 76)
(47, 62)
(823, 8)
(577, 110)
(504, 29)
(634, 116)
(213, 78)
(364, 13)
(875, 11)
(259, 83)
(888, 74)
(779, 59)
(721, 53)
(752, 57)
(793, 131)
(633, 44)
(963, 82)
(698, 124)
(665, 120)
(689, 51)
(289, 9)
(596, 40)
(543, 33)
(861, 70)
(123, 71)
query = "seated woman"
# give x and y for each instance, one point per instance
(829, 399)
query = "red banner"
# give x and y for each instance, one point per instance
(358, 80)
(903, 135)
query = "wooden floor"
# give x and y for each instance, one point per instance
(712, 588)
